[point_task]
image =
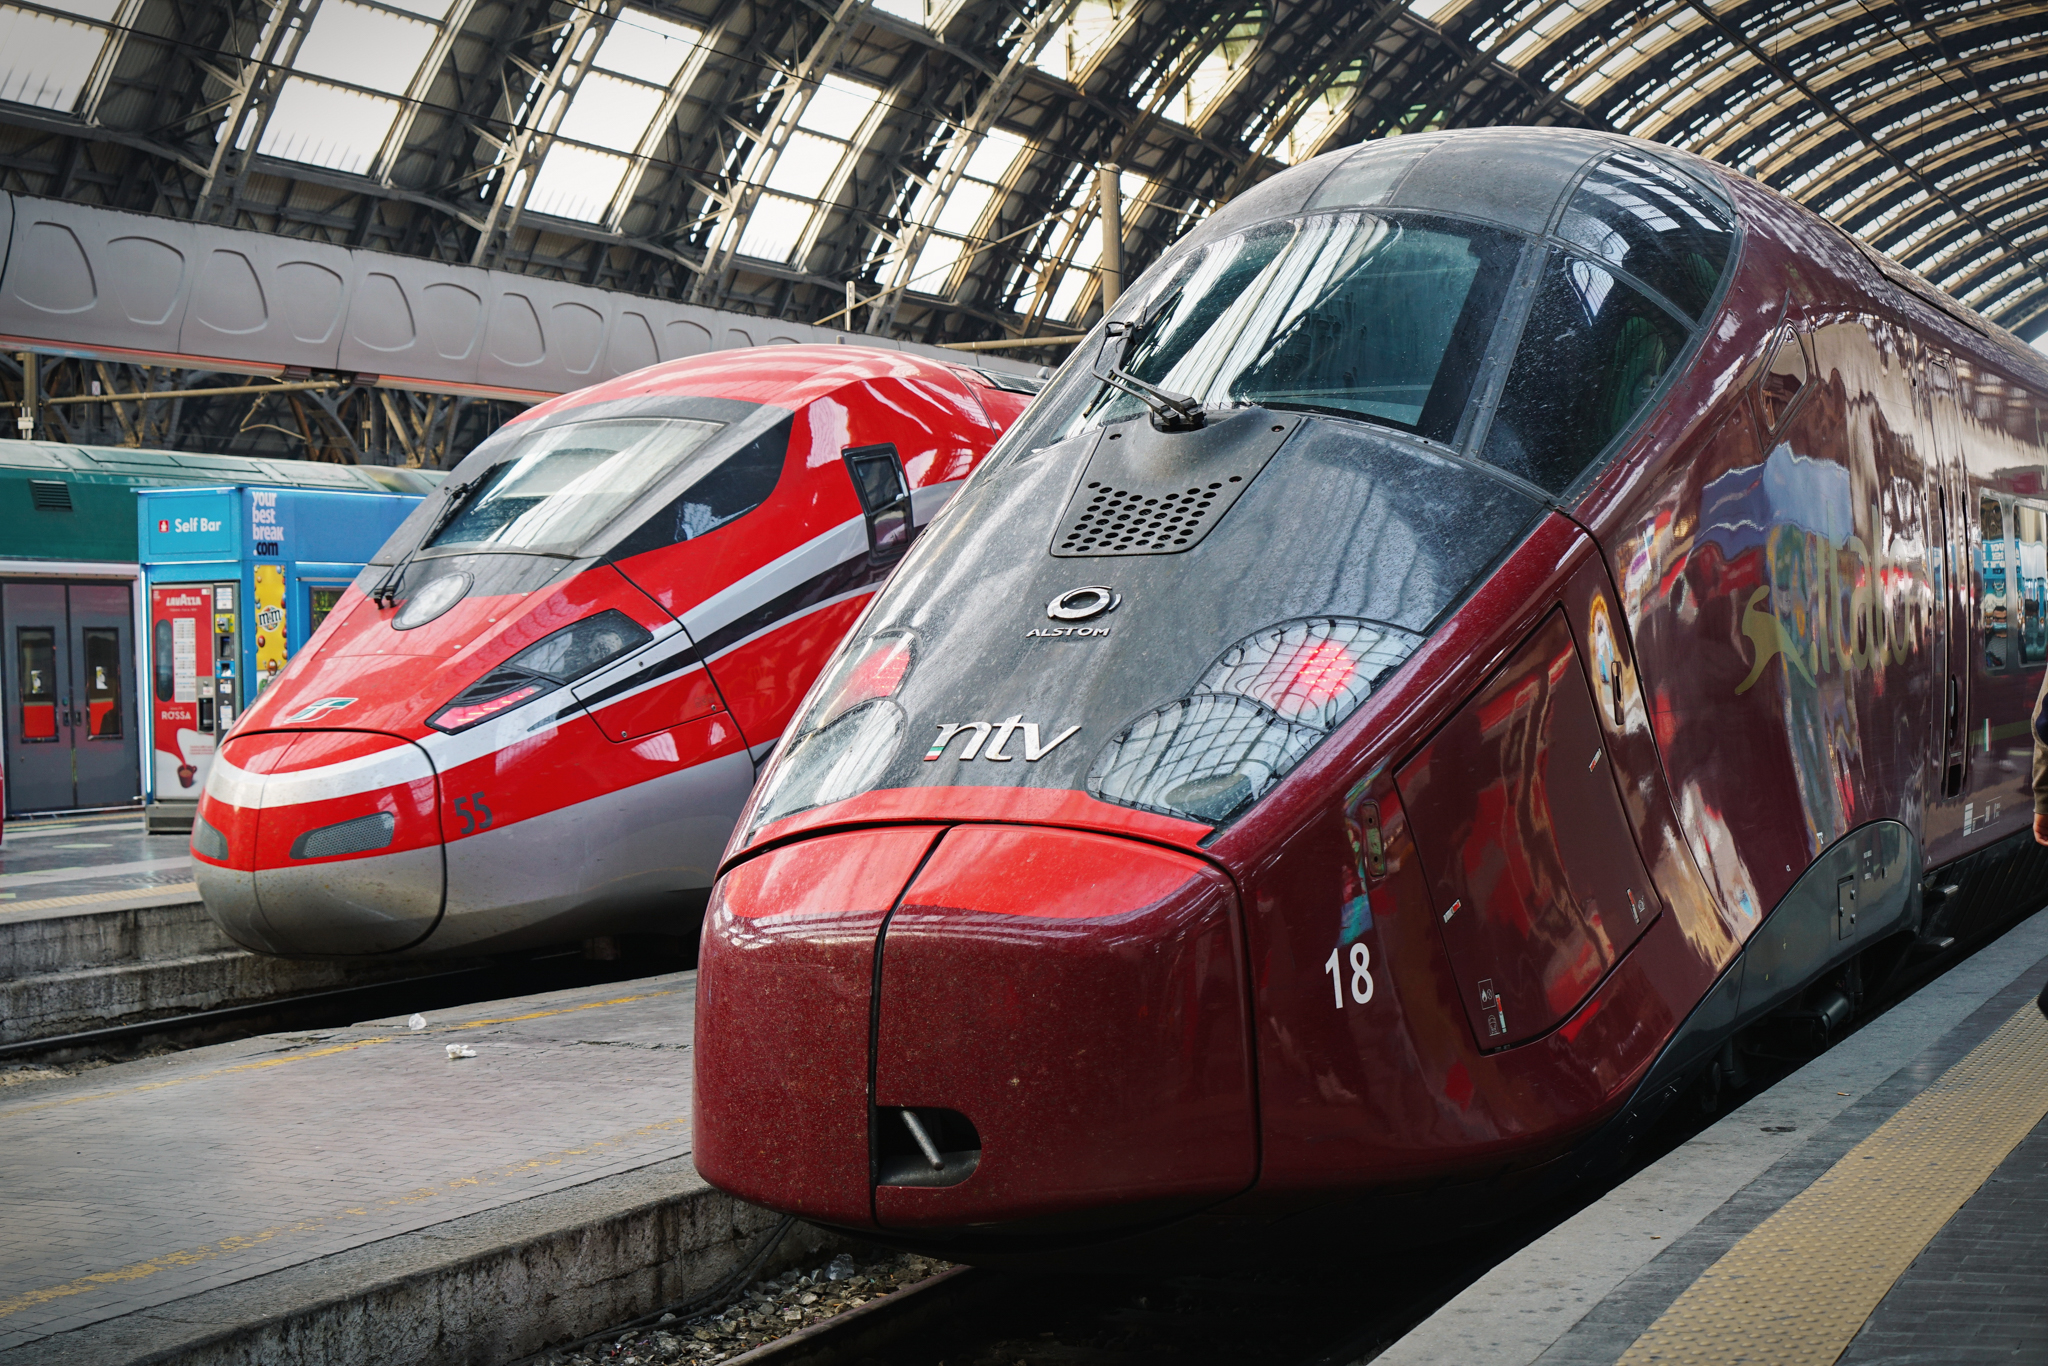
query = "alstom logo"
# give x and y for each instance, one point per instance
(187, 524)
(991, 738)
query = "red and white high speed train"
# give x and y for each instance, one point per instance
(536, 715)
(1491, 615)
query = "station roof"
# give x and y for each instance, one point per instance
(758, 154)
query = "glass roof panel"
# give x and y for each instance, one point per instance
(363, 46)
(964, 207)
(610, 112)
(838, 107)
(436, 10)
(44, 60)
(1074, 47)
(773, 227)
(325, 125)
(102, 10)
(576, 182)
(806, 165)
(991, 160)
(935, 262)
(647, 47)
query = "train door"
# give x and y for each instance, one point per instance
(68, 682)
(1949, 546)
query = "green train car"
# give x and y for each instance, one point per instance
(71, 604)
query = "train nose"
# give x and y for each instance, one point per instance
(992, 1026)
(321, 843)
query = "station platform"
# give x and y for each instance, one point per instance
(1886, 1203)
(359, 1195)
(102, 928)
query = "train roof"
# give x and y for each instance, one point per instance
(779, 376)
(120, 464)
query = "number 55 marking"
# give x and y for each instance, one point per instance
(475, 815)
(1361, 974)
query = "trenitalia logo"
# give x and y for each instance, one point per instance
(998, 735)
(320, 708)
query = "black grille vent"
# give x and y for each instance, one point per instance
(1116, 521)
(1147, 492)
(358, 836)
(52, 495)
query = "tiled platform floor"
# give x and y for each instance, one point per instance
(82, 862)
(1924, 1282)
(143, 1183)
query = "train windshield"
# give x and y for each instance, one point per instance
(565, 484)
(1372, 316)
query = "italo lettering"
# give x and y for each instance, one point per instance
(1829, 608)
(996, 736)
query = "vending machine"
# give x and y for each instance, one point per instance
(237, 579)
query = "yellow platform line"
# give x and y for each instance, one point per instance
(51, 903)
(1799, 1286)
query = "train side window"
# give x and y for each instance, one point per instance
(102, 683)
(884, 497)
(36, 683)
(1783, 378)
(1654, 224)
(1993, 620)
(2030, 574)
(1591, 354)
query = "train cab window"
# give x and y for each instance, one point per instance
(102, 683)
(2030, 572)
(564, 484)
(1592, 353)
(1653, 224)
(884, 497)
(1992, 617)
(1380, 317)
(1777, 389)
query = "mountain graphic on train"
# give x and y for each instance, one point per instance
(1488, 621)
(535, 716)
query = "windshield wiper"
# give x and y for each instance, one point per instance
(1176, 412)
(385, 594)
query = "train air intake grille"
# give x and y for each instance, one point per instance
(358, 836)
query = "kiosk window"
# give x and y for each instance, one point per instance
(320, 601)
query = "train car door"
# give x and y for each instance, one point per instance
(1949, 546)
(69, 683)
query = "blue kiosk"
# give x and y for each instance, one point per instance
(236, 580)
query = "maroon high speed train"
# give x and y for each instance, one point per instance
(1489, 617)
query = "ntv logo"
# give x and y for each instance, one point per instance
(999, 733)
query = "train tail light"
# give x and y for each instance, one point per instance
(556, 659)
(1258, 710)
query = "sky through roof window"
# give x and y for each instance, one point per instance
(612, 116)
(48, 61)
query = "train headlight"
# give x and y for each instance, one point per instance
(844, 736)
(556, 659)
(1255, 713)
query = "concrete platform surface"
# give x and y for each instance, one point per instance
(1886, 1203)
(103, 861)
(101, 926)
(359, 1195)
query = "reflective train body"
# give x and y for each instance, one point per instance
(535, 716)
(1491, 617)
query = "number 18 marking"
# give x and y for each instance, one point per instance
(1361, 974)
